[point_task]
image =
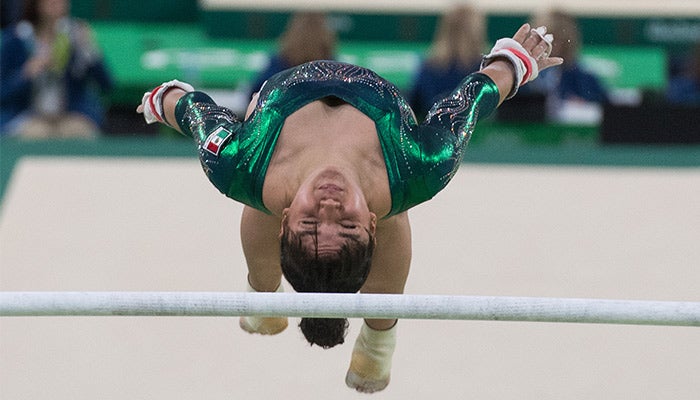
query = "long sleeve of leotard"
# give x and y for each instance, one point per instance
(430, 153)
(220, 137)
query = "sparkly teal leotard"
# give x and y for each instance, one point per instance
(420, 158)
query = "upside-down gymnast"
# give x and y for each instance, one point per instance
(327, 161)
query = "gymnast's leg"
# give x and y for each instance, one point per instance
(370, 366)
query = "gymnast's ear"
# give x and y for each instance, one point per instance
(283, 221)
(372, 222)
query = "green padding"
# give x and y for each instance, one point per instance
(147, 55)
(628, 67)
(136, 10)
(143, 55)
(355, 26)
(509, 134)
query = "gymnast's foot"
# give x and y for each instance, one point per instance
(365, 375)
(263, 325)
(370, 366)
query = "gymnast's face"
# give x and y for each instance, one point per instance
(331, 209)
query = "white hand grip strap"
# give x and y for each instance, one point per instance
(153, 101)
(524, 64)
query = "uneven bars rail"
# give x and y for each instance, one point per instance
(335, 305)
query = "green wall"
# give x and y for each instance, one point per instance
(675, 34)
(137, 10)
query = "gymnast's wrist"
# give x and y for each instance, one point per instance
(170, 99)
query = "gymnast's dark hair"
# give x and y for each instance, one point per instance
(344, 272)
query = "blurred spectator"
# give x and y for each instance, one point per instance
(307, 37)
(456, 52)
(10, 12)
(684, 89)
(51, 71)
(572, 93)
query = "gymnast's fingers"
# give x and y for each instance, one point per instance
(522, 34)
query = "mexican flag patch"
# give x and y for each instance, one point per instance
(216, 140)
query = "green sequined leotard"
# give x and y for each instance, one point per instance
(420, 158)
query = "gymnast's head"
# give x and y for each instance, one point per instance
(326, 245)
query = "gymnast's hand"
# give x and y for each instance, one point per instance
(538, 44)
(152, 105)
(528, 51)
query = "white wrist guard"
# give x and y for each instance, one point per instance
(524, 65)
(152, 101)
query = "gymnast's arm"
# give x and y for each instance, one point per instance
(261, 248)
(512, 63)
(390, 263)
(170, 100)
(503, 71)
(259, 231)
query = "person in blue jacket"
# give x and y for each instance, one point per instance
(52, 75)
(456, 51)
(684, 88)
(571, 84)
(328, 160)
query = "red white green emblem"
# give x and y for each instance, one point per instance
(216, 140)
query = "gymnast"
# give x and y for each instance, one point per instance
(327, 161)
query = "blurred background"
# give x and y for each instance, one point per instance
(634, 77)
(634, 48)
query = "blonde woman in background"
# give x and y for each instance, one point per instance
(456, 52)
(307, 37)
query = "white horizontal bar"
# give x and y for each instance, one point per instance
(334, 305)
